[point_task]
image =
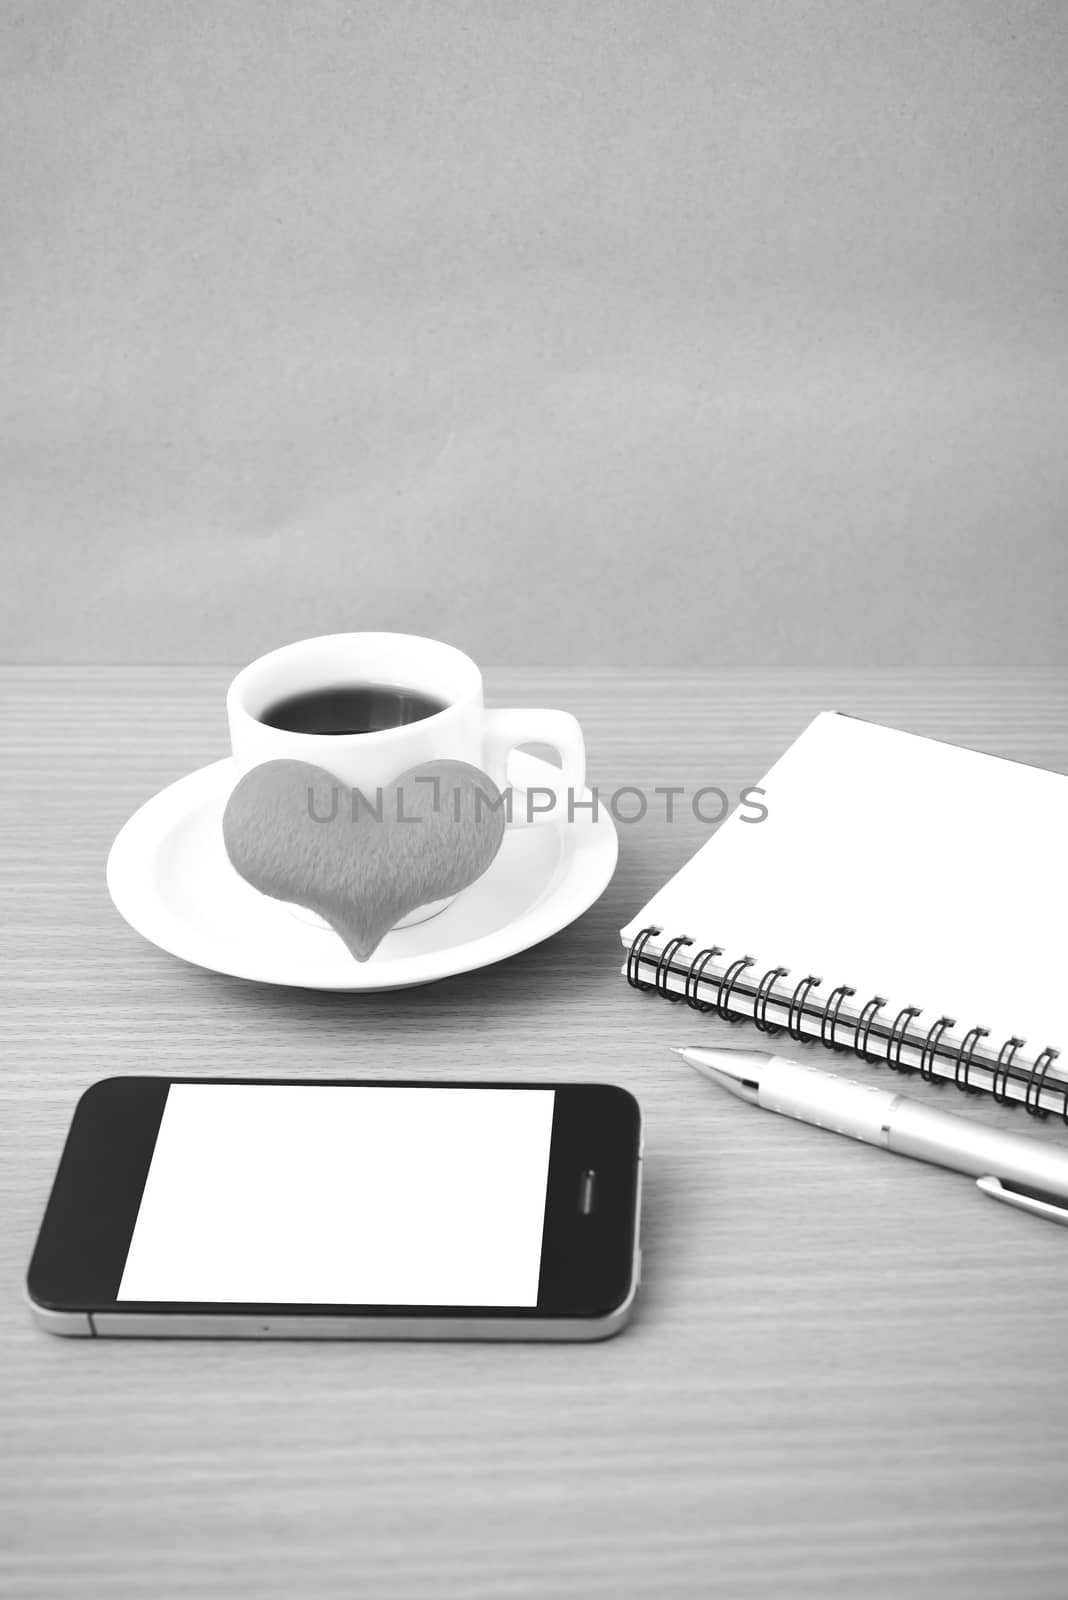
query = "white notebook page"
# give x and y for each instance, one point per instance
(934, 876)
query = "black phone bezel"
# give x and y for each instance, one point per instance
(587, 1259)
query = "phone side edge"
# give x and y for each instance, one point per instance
(65, 1324)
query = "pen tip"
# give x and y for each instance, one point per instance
(679, 1049)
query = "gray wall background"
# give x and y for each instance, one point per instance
(695, 333)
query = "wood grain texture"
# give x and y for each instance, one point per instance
(846, 1375)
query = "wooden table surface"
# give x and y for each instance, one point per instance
(847, 1372)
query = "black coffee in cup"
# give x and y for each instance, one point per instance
(351, 708)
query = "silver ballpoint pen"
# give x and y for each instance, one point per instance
(1013, 1167)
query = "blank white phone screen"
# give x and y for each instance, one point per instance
(327, 1195)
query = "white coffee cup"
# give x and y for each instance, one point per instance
(463, 731)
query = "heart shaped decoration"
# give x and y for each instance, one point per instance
(362, 863)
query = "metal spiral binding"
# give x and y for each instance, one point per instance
(663, 967)
(726, 988)
(824, 1019)
(830, 1014)
(930, 1050)
(863, 1028)
(898, 1035)
(1036, 1080)
(796, 1013)
(694, 974)
(634, 955)
(963, 1064)
(763, 994)
(1005, 1068)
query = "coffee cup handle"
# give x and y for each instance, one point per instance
(554, 800)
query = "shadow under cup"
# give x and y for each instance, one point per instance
(365, 708)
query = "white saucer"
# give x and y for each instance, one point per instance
(169, 876)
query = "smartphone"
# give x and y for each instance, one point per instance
(251, 1209)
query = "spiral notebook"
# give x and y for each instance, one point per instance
(903, 899)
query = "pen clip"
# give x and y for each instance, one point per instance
(998, 1189)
